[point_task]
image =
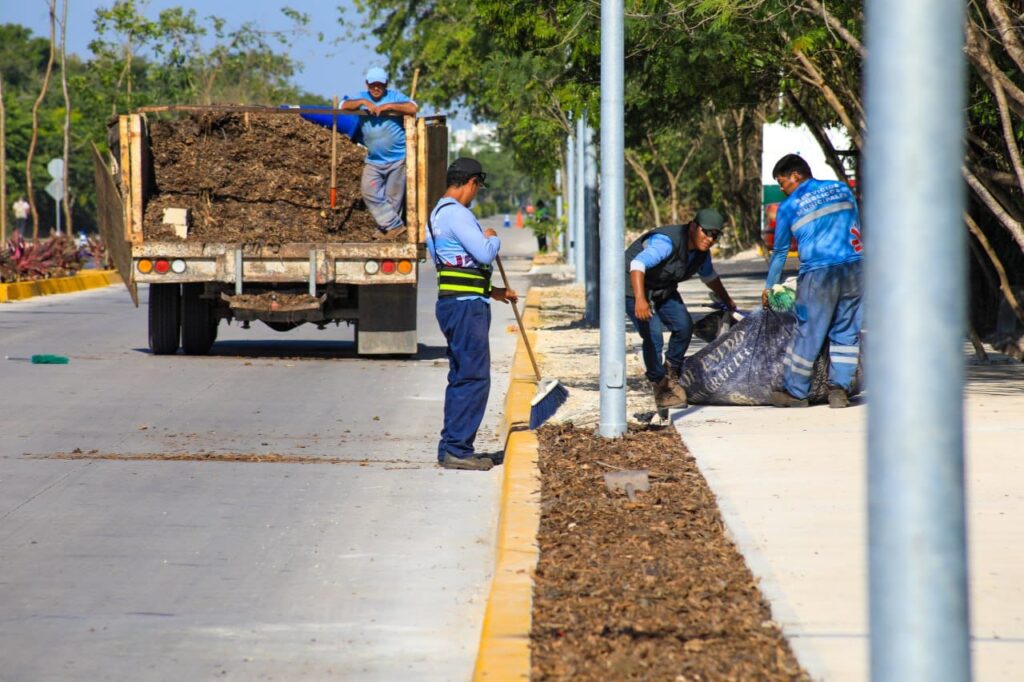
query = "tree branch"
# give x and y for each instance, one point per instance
(1012, 225)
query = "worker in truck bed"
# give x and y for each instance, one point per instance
(822, 215)
(383, 135)
(656, 263)
(463, 253)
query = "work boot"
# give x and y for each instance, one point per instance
(472, 463)
(838, 397)
(666, 396)
(784, 399)
(674, 373)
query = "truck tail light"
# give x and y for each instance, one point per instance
(145, 266)
(162, 266)
(371, 267)
(387, 267)
(177, 266)
(404, 267)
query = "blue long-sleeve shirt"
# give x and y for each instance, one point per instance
(458, 239)
(822, 215)
(657, 250)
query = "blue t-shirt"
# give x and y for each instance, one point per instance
(460, 239)
(822, 215)
(383, 136)
(658, 248)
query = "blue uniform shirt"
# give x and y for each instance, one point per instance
(658, 248)
(383, 136)
(460, 239)
(822, 215)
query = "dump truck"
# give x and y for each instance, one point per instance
(196, 283)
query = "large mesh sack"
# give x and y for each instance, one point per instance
(744, 365)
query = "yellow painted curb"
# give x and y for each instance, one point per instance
(504, 651)
(90, 279)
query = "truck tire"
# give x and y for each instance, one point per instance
(164, 318)
(198, 323)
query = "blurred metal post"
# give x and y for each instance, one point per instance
(570, 192)
(592, 236)
(581, 166)
(915, 257)
(613, 190)
(558, 211)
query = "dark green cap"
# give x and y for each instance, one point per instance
(710, 219)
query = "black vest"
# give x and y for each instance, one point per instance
(662, 279)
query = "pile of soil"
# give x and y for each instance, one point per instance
(259, 179)
(644, 590)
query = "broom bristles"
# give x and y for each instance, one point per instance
(549, 397)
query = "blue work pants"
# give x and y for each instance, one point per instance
(670, 314)
(466, 326)
(828, 304)
(383, 189)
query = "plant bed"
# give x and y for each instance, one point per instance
(647, 590)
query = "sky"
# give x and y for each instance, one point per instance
(327, 69)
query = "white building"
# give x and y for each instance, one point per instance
(475, 138)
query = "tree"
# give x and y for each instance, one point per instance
(35, 124)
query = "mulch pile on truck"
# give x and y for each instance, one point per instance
(255, 178)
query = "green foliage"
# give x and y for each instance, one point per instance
(136, 59)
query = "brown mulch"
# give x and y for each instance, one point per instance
(255, 178)
(644, 590)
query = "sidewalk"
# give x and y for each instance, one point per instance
(792, 489)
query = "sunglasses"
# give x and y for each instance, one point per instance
(481, 180)
(712, 234)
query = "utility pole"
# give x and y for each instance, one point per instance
(558, 208)
(915, 100)
(581, 165)
(570, 193)
(591, 237)
(613, 190)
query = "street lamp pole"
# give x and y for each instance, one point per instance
(915, 100)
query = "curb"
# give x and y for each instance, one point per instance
(504, 650)
(92, 279)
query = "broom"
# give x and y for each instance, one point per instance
(550, 393)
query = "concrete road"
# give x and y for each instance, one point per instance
(366, 562)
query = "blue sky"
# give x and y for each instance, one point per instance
(327, 69)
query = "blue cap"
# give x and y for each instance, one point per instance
(376, 75)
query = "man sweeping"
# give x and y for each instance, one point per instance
(658, 261)
(822, 216)
(463, 253)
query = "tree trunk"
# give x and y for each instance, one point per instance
(35, 122)
(1004, 281)
(645, 178)
(68, 226)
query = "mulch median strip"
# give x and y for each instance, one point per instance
(644, 590)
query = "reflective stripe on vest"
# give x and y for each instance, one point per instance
(453, 281)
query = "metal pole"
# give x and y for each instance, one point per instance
(581, 168)
(56, 207)
(570, 192)
(591, 237)
(914, 197)
(613, 190)
(558, 210)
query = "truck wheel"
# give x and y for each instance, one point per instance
(198, 324)
(164, 318)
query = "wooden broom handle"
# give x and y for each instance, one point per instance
(519, 319)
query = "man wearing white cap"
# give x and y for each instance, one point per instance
(383, 134)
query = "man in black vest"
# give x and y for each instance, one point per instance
(657, 262)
